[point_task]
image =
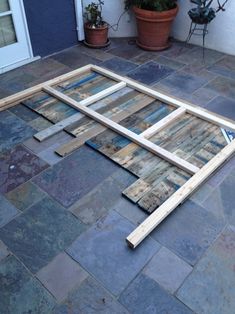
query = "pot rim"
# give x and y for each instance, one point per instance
(156, 13)
(86, 25)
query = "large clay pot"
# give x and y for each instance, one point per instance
(154, 28)
(96, 36)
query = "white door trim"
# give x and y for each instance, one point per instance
(30, 57)
(79, 18)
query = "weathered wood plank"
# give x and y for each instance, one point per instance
(195, 110)
(12, 100)
(86, 102)
(140, 233)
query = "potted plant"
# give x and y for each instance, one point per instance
(95, 28)
(154, 20)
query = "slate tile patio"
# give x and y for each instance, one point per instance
(40, 233)
(194, 229)
(13, 131)
(37, 233)
(20, 291)
(25, 195)
(210, 288)
(101, 252)
(167, 269)
(76, 175)
(90, 298)
(18, 166)
(61, 275)
(144, 295)
(7, 211)
(223, 106)
(119, 65)
(150, 73)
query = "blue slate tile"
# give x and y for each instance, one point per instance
(221, 201)
(102, 251)
(25, 195)
(210, 289)
(75, 176)
(90, 298)
(145, 296)
(119, 65)
(223, 106)
(150, 72)
(18, 166)
(167, 269)
(183, 81)
(7, 211)
(24, 113)
(21, 292)
(13, 131)
(188, 231)
(40, 233)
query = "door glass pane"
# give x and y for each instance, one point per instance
(4, 6)
(7, 31)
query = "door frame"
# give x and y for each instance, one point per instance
(29, 45)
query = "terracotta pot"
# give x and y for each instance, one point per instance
(154, 28)
(96, 36)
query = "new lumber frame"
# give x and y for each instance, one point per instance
(199, 175)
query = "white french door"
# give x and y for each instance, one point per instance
(14, 40)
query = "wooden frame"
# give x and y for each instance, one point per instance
(199, 175)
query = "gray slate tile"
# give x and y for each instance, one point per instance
(222, 173)
(221, 202)
(145, 296)
(75, 176)
(4, 252)
(7, 211)
(90, 298)
(150, 73)
(25, 195)
(40, 233)
(167, 269)
(130, 211)
(13, 131)
(98, 202)
(61, 275)
(224, 67)
(222, 85)
(20, 292)
(210, 289)
(102, 251)
(119, 65)
(223, 106)
(188, 231)
(74, 59)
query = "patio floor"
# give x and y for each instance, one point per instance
(73, 258)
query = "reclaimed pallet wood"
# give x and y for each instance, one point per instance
(172, 146)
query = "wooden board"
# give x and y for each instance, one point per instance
(170, 145)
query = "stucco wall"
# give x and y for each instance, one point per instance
(221, 30)
(111, 12)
